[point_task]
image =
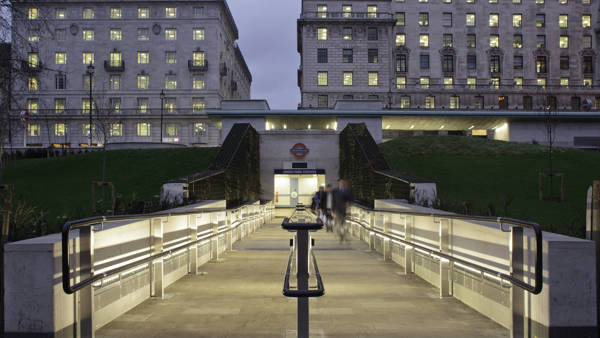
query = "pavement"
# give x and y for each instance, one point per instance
(241, 296)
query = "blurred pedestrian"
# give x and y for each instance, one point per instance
(325, 208)
(342, 196)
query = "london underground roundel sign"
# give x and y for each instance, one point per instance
(299, 150)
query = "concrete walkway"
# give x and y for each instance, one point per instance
(242, 297)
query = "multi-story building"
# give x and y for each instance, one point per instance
(140, 71)
(452, 54)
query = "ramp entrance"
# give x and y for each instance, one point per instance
(296, 186)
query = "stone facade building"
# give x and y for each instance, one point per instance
(450, 54)
(178, 55)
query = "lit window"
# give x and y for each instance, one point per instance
(400, 39)
(563, 2)
(587, 82)
(143, 57)
(400, 19)
(347, 56)
(172, 130)
(586, 21)
(495, 64)
(115, 104)
(170, 82)
(60, 58)
(424, 40)
(33, 60)
(448, 82)
(199, 129)
(347, 11)
(85, 106)
(517, 20)
(32, 106)
(116, 34)
(470, 1)
(88, 34)
(373, 78)
(86, 82)
(170, 104)
(470, 19)
(171, 34)
(88, 13)
(400, 82)
(322, 11)
(33, 129)
(34, 35)
(143, 129)
(447, 40)
(115, 82)
(472, 82)
(424, 81)
(59, 105)
(564, 82)
(541, 82)
(32, 83)
(347, 78)
(142, 105)
(471, 40)
(564, 41)
(563, 21)
(347, 33)
(493, 20)
(321, 33)
(539, 2)
(198, 82)
(430, 102)
(116, 129)
(517, 41)
(115, 59)
(88, 58)
(496, 82)
(198, 34)
(373, 55)
(494, 41)
(423, 19)
(143, 13)
(405, 102)
(454, 102)
(372, 11)
(170, 12)
(143, 34)
(170, 57)
(540, 64)
(33, 13)
(115, 13)
(586, 2)
(321, 78)
(518, 82)
(60, 14)
(60, 129)
(541, 41)
(198, 59)
(143, 81)
(516, 1)
(198, 106)
(540, 20)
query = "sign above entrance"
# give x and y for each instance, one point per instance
(299, 150)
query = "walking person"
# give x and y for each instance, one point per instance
(325, 207)
(342, 196)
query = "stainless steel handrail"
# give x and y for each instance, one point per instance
(536, 288)
(91, 221)
(288, 291)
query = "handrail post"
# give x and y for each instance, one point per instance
(387, 252)
(409, 253)
(303, 243)
(192, 221)
(517, 295)
(445, 265)
(86, 295)
(228, 222)
(157, 288)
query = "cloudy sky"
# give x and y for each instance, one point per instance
(267, 37)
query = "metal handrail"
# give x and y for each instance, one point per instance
(87, 222)
(292, 292)
(535, 289)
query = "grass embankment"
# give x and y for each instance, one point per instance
(503, 175)
(60, 187)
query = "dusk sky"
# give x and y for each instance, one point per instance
(267, 38)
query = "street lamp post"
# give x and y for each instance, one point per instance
(162, 99)
(90, 72)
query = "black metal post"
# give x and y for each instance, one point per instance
(162, 98)
(302, 242)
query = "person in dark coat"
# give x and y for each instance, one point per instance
(325, 208)
(342, 196)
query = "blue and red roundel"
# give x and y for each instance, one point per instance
(299, 150)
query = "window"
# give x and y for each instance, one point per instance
(199, 129)
(59, 105)
(424, 40)
(539, 2)
(430, 102)
(88, 13)
(88, 34)
(586, 21)
(171, 57)
(540, 41)
(470, 1)
(564, 62)
(60, 34)
(423, 19)
(170, 81)
(143, 13)
(494, 20)
(33, 13)
(518, 62)
(495, 82)
(447, 20)
(517, 20)
(494, 41)
(198, 59)
(541, 82)
(33, 60)
(478, 102)
(198, 12)
(198, 106)
(142, 105)
(517, 41)
(60, 81)
(60, 13)
(116, 129)
(346, 11)
(143, 81)
(448, 63)
(587, 82)
(33, 129)
(143, 129)
(540, 20)
(424, 61)
(447, 40)
(471, 40)
(472, 82)
(493, 1)
(172, 130)
(563, 21)
(587, 65)
(322, 55)
(347, 56)
(321, 78)
(198, 34)
(60, 129)
(32, 83)
(170, 12)
(116, 34)
(563, 41)
(198, 82)
(86, 82)
(424, 81)
(170, 104)
(85, 106)
(564, 82)
(400, 39)
(373, 55)
(471, 61)
(321, 33)
(115, 59)
(372, 11)
(347, 78)
(115, 13)
(405, 102)
(540, 64)
(323, 101)
(454, 102)
(400, 82)
(401, 65)
(143, 57)
(586, 2)
(32, 106)
(518, 82)
(448, 82)
(400, 18)
(372, 34)
(171, 34)
(34, 35)
(143, 34)
(115, 104)
(373, 79)
(60, 58)
(470, 20)
(495, 64)
(88, 58)
(587, 41)
(115, 82)
(563, 2)
(347, 33)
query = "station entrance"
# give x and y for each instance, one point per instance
(296, 186)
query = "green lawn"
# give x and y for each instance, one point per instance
(484, 172)
(61, 186)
